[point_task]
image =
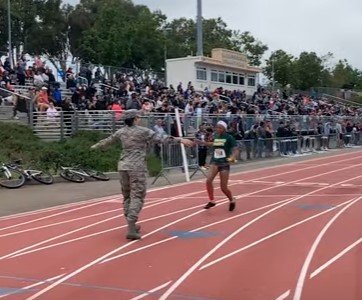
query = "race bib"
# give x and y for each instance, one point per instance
(219, 153)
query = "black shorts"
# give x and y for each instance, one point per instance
(222, 168)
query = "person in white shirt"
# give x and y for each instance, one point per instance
(52, 113)
(160, 131)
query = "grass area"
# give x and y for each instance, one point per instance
(19, 142)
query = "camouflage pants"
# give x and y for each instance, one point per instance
(134, 185)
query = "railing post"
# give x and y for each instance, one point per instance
(113, 121)
(61, 125)
(31, 115)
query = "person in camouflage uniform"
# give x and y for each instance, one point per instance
(132, 164)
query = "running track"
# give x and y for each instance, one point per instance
(296, 234)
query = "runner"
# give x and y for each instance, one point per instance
(224, 152)
(132, 165)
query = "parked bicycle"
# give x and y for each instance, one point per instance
(79, 174)
(10, 178)
(27, 174)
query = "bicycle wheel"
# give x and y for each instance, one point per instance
(13, 180)
(97, 175)
(70, 176)
(43, 177)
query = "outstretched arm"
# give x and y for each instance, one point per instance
(106, 142)
(162, 139)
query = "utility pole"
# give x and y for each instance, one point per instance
(273, 75)
(200, 50)
(9, 36)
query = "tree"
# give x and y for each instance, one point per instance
(345, 76)
(248, 44)
(122, 34)
(181, 36)
(49, 34)
(308, 70)
(280, 64)
(23, 14)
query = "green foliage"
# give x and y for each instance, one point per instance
(280, 64)
(18, 142)
(248, 44)
(121, 34)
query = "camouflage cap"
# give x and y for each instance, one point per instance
(131, 114)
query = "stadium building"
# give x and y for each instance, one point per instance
(225, 68)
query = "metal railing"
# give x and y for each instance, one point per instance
(251, 149)
(171, 158)
(109, 121)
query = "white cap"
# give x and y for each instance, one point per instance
(223, 124)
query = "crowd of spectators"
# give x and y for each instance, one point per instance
(90, 90)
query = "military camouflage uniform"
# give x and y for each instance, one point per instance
(132, 165)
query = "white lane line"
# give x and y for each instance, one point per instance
(109, 254)
(60, 223)
(308, 260)
(223, 242)
(146, 220)
(164, 201)
(58, 207)
(112, 229)
(211, 263)
(15, 253)
(334, 259)
(283, 296)
(34, 285)
(194, 230)
(156, 289)
(273, 187)
(50, 216)
(80, 229)
(96, 261)
(188, 183)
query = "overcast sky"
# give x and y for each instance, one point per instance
(292, 25)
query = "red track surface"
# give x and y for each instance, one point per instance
(296, 234)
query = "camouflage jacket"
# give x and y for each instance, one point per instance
(135, 141)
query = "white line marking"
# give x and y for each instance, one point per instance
(50, 216)
(156, 289)
(58, 207)
(271, 236)
(59, 223)
(34, 285)
(283, 296)
(96, 261)
(223, 242)
(273, 187)
(303, 273)
(189, 183)
(80, 229)
(171, 199)
(334, 259)
(163, 200)
(196, 229)
(120, 227)
(104, 257)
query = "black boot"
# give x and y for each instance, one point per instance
(133, 233)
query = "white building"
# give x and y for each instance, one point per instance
(227, 69)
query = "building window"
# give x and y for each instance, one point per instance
(235, 78)
(214, 76)
(241, 80)
(251, 81)
(228, 77)
(201, 74)
(221, 77)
